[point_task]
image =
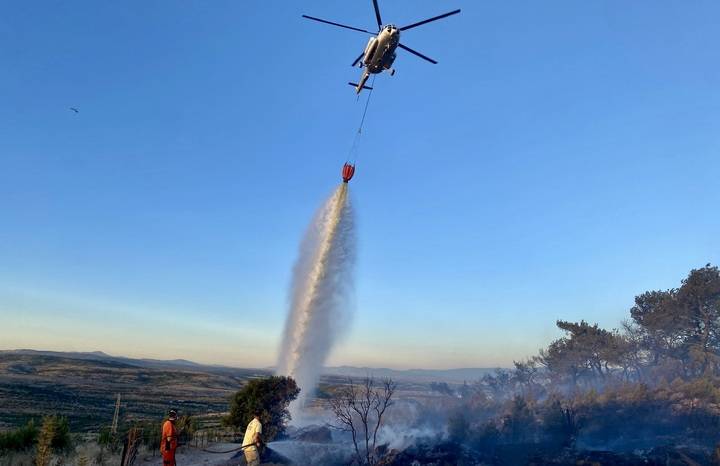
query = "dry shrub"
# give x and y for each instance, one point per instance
(44, 446)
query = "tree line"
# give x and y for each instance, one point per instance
(670, 334)
(655, 379)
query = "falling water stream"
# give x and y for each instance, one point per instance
(320, 295)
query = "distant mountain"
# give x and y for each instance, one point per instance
(99, 356)
(416, 375)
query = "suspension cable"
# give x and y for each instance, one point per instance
(367, 103)
(352, 154)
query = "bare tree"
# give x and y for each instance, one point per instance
(359, 409)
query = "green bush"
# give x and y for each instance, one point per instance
(271, 397)
(61, 440)
(22, 438)
(25, 437)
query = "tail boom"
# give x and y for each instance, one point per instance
(361, 85)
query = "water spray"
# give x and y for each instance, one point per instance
(320, 295)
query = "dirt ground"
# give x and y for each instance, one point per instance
(196, 457)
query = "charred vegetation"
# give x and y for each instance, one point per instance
(647, 391)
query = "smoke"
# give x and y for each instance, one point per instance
(317, 454)
(320, 294)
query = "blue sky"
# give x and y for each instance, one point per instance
(560, 159)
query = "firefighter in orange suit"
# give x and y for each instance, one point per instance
(168, 442)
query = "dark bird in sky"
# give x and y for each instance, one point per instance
(74, 109)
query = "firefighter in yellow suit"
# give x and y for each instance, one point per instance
(251, 441)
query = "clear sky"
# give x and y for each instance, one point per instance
(561, 158)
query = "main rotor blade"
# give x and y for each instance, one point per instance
(429, 20)
(358, 59)
(417, 53)
(338, 24)
(377, 14)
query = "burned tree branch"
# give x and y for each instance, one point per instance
(360, 410)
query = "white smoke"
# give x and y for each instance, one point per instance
(320, 296)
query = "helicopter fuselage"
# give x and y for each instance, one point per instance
(380, 50)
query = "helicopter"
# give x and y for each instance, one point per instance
(379, 53)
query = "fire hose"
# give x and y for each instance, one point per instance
(225, 451)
